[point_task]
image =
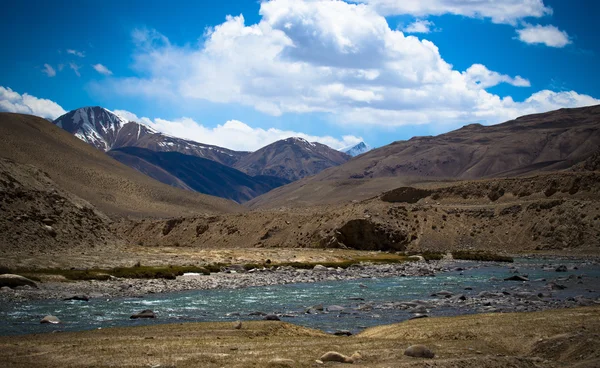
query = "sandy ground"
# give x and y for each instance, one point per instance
(557, 338)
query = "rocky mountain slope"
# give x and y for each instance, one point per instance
(291, 159)
(78, 168)
(195, 173)
(36, 216)
(105, 130)
(553, 213)
(531, 144)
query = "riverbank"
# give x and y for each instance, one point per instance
(231, 278)
(554, 338)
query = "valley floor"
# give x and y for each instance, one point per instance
(554, 338)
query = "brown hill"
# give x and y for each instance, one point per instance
(36, 216)
(556, 212)
(291, 159)
(531, 144)
(90, 174)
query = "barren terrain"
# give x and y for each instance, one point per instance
(557, 338)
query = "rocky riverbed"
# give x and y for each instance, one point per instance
(231, 278)
(333, 300)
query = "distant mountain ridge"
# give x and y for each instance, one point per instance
(357, 149)
(105, 130)
(292, 159)
(200, 167)
(196, 173)
(528, 145)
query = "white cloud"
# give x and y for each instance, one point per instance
(12, 101)
(326, 57)
(76, 53)
(499, 11)
(547, 35)
(419, 26)
(234, 134)
(49, 70)
(479, 75)
(75, 68)
(102, 69)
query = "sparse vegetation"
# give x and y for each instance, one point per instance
(135, 272)
(480, 256)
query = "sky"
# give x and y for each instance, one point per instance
(243, 74)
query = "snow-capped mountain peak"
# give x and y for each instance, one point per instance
(357, 149)
(94, 125)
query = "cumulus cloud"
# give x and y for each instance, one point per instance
(546, 35)
(11, 101)
(102, 69)
(504, 11)
(419, 26)
(49, 70)
(233, 134)
(76, 53)
(327, 57)
(479, 75)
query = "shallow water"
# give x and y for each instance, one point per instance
(294, 299)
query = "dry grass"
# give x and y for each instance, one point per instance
(497, 340)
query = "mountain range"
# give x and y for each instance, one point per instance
(208, 169)
(531, 144)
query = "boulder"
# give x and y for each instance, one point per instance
(516, 278)
(271, 317)
(13, 281)
(83, 298)
(334, 356)
(146, 313)
(561, 268)
(342, 333)
(419, 351)
(320, 268)
(280, 363)
(238, 325)
(49, 319)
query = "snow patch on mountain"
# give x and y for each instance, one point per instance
(357, 149)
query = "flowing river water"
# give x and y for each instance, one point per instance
(351, 305)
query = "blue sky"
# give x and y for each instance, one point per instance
(242, 74)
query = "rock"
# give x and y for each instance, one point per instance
(516, 278)
(257, 313)
(271, 317)
(342, 333)
(334, 356)
(50, 230)
(13, 281)
(83, 298)
(555, 286)
(335, 308)
(318, 307)
(280, 363)
(50, 320)
(418, 310)
(561, 268)
(238, 325)
(146, 313)
(48, 221)
(419, 351)
(320, 268)
(444, 293)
